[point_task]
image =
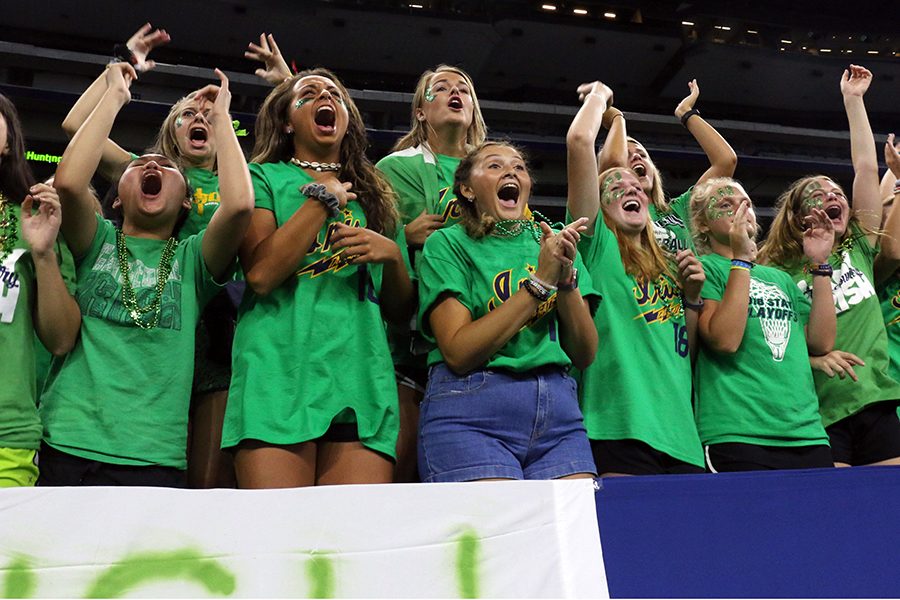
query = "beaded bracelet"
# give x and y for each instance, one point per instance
(688, 115)
(741, 264)
(531, 287)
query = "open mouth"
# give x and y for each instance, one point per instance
(508, 195)
(834, 212)
(455, 103)
(151, 183)
(640, 169)
(631, 206)
(325, 117)
(198, 136)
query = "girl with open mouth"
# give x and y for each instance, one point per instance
(37, 280)
(313, 398)
(670, 217)
(446, 124)
(757, 331)
(141, 292)
(506, 301)
(187, 137)
(636, 396)
(859, 407)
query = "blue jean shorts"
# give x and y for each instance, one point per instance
(500, 424)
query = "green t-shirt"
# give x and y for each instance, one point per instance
(673, 227)
(639, 385)
(422, 180)
(763, 393)
(206, 201)
(121, 395)
(860, 330)
(482, 274)
(20, 425)
(889, 296)
(315, 347)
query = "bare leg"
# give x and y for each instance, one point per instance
(841, 464)
(351, 462)
(263, 466)
(886, 462)
(407, 469)
(577, 476)
(208, 465)
(616, 475)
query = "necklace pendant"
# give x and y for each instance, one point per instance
(135, 315)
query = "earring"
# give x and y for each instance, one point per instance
(290, 130)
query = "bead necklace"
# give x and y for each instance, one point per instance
(316, 166)
(515, 227)
(129, 298)
(8, 228)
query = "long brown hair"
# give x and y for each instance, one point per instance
(166, 139)
(643, 259)
(418, 130)
(274, 144)
(784, 244)
(16, 177)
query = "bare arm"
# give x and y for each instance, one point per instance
(268, 53)
(818, 239)
(615, 149)
(57, 318)
(890, 177)
(581, 164)
(229, 223)
(83, 154)
(722, 158)
(888, 259)
(866, 198)
(577, 333)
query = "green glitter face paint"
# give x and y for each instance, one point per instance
(605, 194)
(713, 212)
(811, 197)
(300, 102)
(178, 122)
(429, 96)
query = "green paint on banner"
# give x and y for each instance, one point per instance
(320, 572)
(20, 580)
(139, 569)
(467, 564)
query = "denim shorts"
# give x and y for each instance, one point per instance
(500, 424)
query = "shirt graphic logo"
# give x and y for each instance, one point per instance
(775, 312)
(849, 286)
(9, 286)
(663, 291)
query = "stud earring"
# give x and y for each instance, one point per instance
(290, 130)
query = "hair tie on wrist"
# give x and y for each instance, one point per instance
(688, 115)
(123, 53)
(691, 305)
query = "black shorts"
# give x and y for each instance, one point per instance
(633, 457)
(737, 456)
(213, 343)
(61, 469)
(412, 377)
(869, 436)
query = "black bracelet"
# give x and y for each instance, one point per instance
(318, 192)
(825, 270)
(123, 53)
(532, 289)
(688, 115)
(691, 305)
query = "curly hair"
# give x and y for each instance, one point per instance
(418, 132)
(274, 144)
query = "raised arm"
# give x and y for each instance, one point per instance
(581, 164)
(229, 223)
(818, 239)
(268, 53)
(82, 156)
(114, 157)
(722, 159)
(888, 259)
(270, 254)
(614, 152)
(866, 197)
(892, 174)
(57, 318)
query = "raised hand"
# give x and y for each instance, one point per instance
(142, 42)
(361, 245)
(118, 79)
(818, 238)
(855, 81)
(595, 88)
(691, 275)
(40, 230)
(892, 156)
(219, 96)
(742, 232)
(267, 52)
(418, 230)
(690, 100)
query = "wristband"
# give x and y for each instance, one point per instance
(741, 264)
(688, 115)
(691, 305)
(123, 53)
(318, 192)
(540, 294)
(542, 284)
(825, 270)
(571, 284)
(897, 187)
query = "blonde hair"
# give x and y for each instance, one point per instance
(418, 130)
(167, 140)
(784, 244)
(657, 194)
(700, 197)
(644, 259)
(274, 144)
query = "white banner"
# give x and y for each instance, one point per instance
(493, 540)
